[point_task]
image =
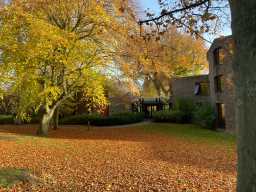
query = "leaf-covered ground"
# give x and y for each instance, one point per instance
(150, 157)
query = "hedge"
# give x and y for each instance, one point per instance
(97, 120)
(204, 116)
(187, 107)
(185, 112)
(6, 119)
(169, 116)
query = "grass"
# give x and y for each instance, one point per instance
(11, 176)
(191, 132)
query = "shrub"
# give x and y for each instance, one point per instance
(204, 116)
(169, 116)
(79, 119)
(95, 119)
(186, 106)
(34, 119)
(6, 119)
(120, 119)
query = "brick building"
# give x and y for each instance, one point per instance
(217, 87)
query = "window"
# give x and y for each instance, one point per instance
(219, 55)
(202, 89)
(197, 89)
(220, 115)
(219, 84)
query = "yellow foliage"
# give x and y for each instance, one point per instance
(48, 57)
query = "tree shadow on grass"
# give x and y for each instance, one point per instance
(79, 132)
(198, 155)
(15, 130)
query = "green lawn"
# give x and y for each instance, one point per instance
(191, 132)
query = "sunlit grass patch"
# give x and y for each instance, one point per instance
(191, 132)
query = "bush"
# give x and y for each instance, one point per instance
(186, 106)
(204, 116)
(34, 119)
(119, 119)
(95, 119)
(10, 119)
(79, 119)
(169, 116)
(6, 119)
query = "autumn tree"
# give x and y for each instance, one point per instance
(160, 58)
(44, 63)
(140, 57)
(70, 43)
(195, 16)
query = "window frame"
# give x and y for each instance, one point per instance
(219, 84)
(217, 56)
(198, 85)
(221, 115)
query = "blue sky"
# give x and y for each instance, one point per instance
(153, 5)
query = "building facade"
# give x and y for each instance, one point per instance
(194, 87)
(217, 87)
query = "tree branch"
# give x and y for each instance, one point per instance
(170, 13)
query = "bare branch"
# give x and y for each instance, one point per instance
(170, 13)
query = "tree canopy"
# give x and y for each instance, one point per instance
(159, 59)
(54, 50)
(48, 59)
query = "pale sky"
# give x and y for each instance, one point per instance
(153, 6)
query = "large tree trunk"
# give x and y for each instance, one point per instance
(244, 33)
(45, 122)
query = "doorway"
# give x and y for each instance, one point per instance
(221, 122)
